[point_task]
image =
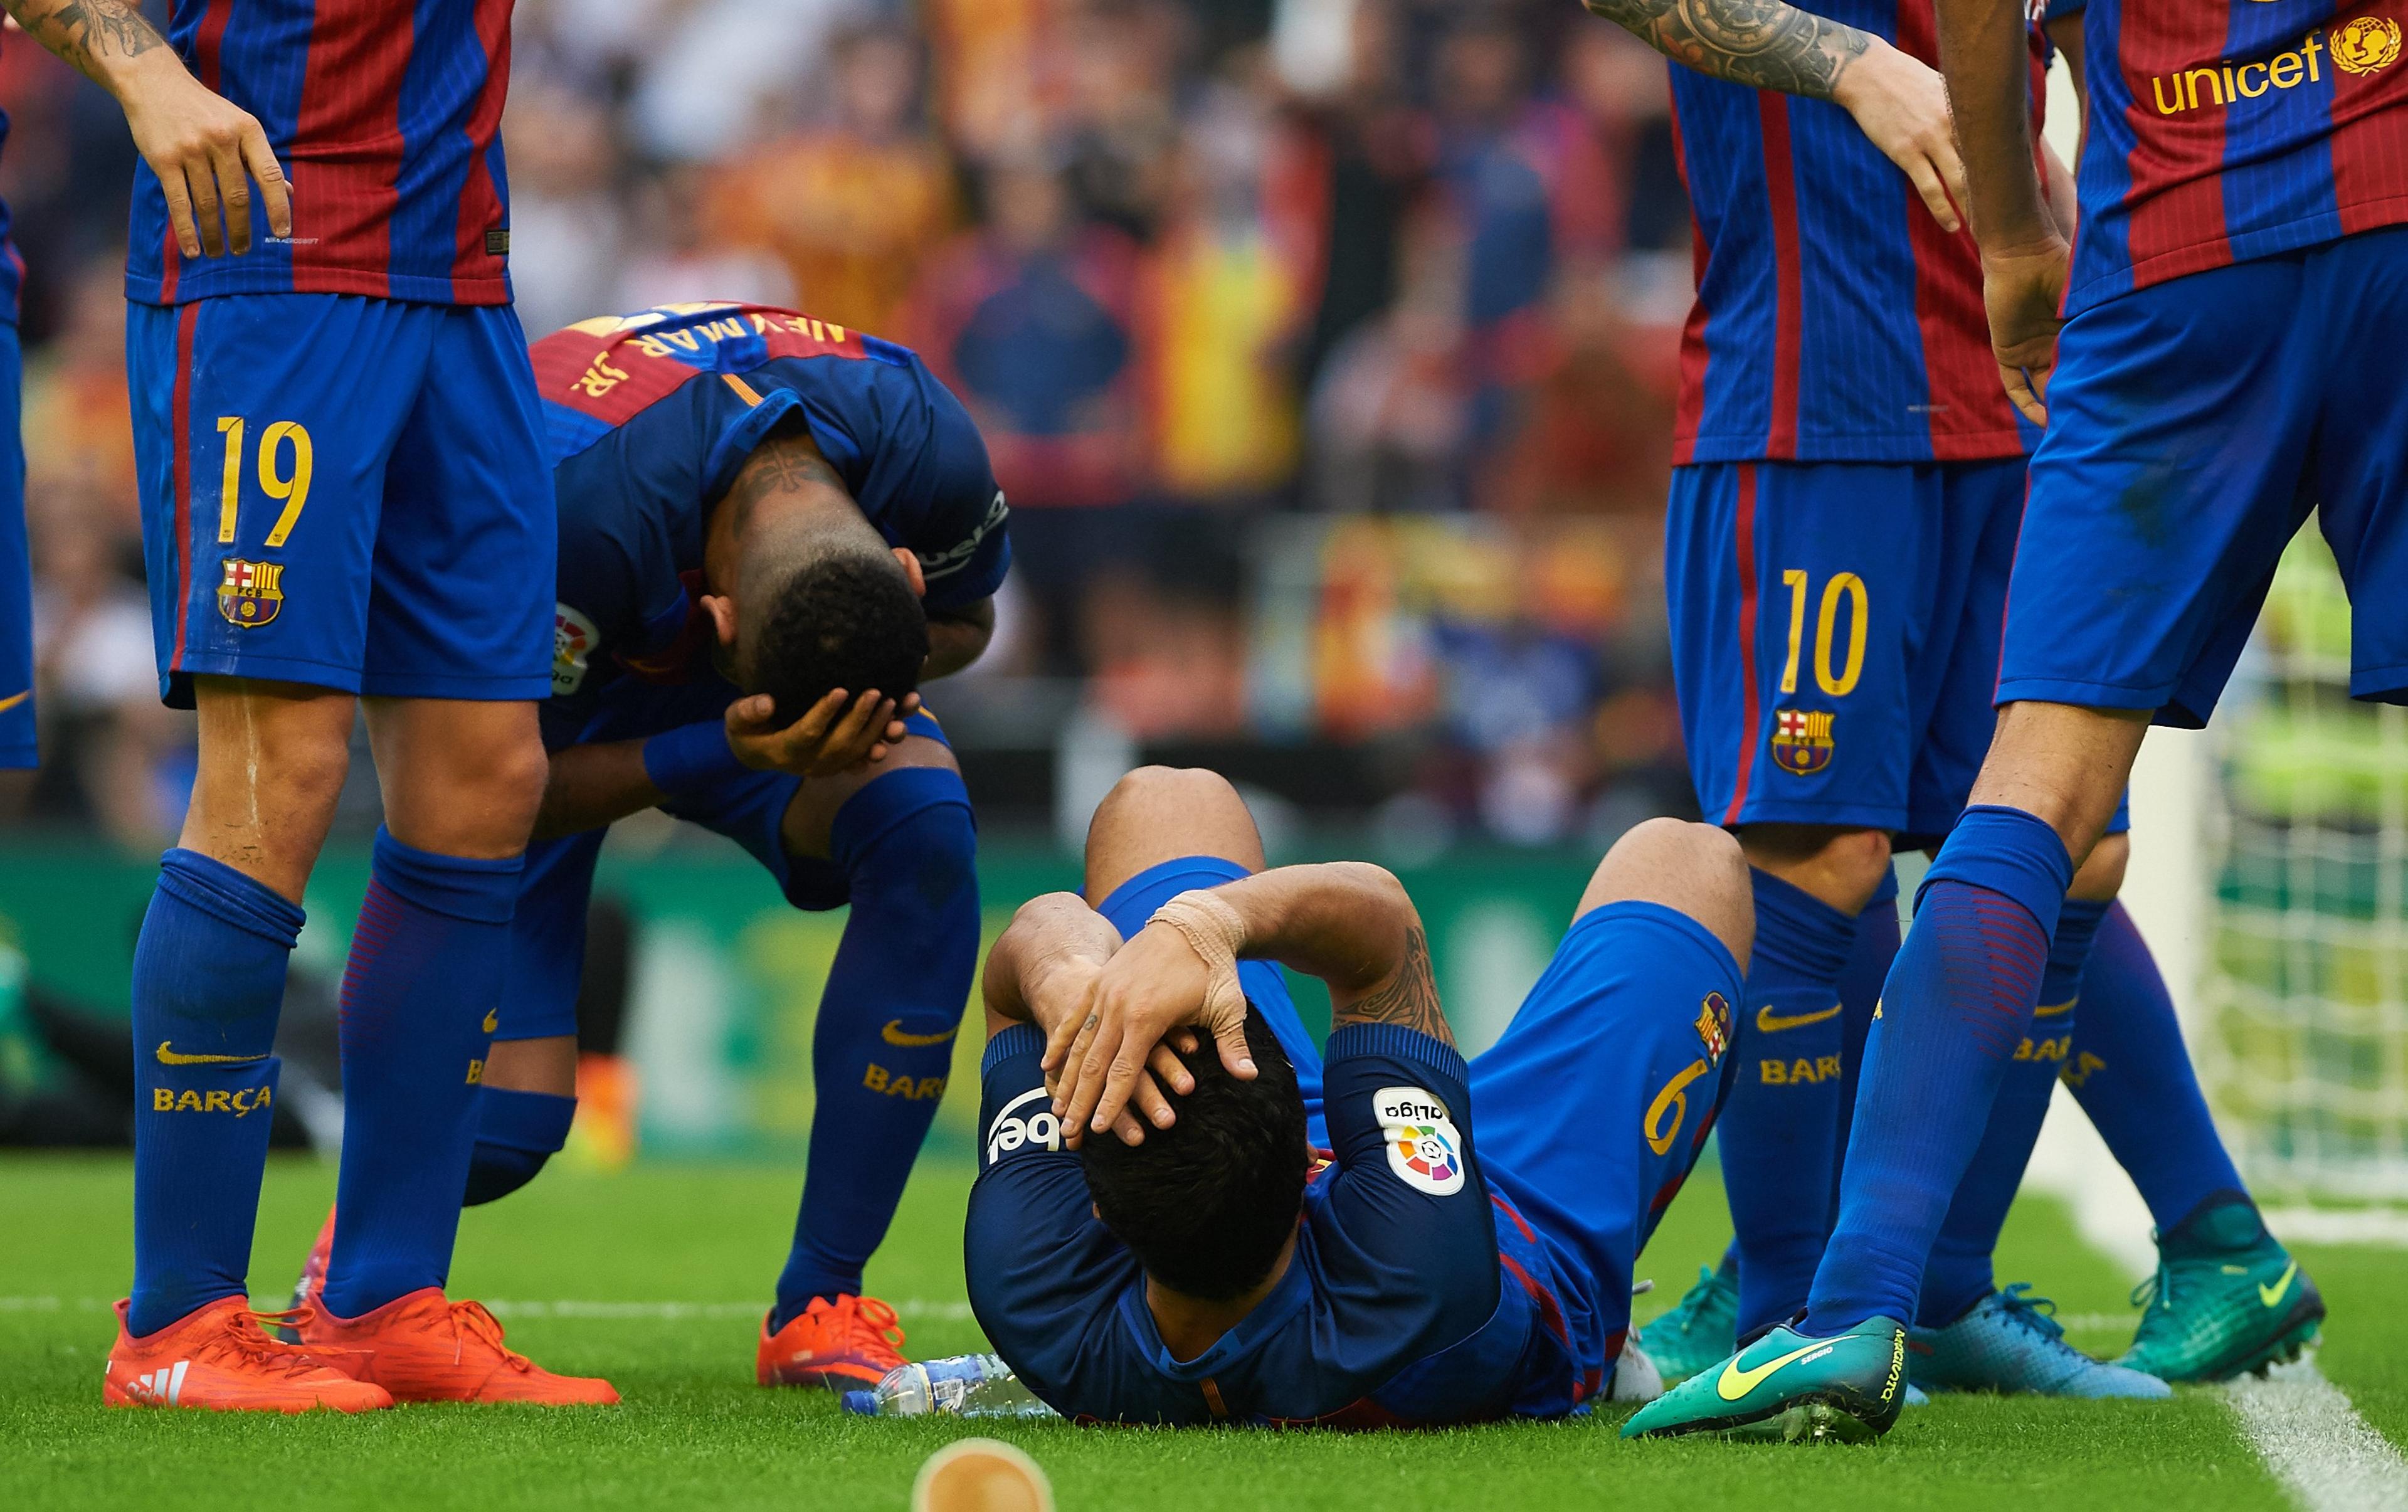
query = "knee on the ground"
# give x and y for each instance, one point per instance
(1697, 868)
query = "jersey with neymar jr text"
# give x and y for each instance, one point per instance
(1835, 321)
(651, 416)
(2226, 130)
(1395, 1310)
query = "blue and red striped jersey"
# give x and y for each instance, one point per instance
(387, 118)
(2223, 130)
(1835, 322)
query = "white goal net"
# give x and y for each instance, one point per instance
(2302, 1024)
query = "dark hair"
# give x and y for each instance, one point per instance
(847, 621)
(1206, 1203)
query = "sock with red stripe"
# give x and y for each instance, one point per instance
(1960, 1274)
(2132, 1075)
(209, 983)
(418, 1000)
(1958, 1002)
(1780, 1127)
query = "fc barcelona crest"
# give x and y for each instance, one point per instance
(252, 594)
(1714, 1024)
(1801, 740)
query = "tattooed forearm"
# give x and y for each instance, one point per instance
(1764, 44)
(1410, 998)
(88, 34)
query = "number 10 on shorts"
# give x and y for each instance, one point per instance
(285, 460)
(1843, 588)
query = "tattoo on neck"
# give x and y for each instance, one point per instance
(1409, 998)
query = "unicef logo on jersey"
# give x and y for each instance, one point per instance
(1012, 1131)
(1424, 1149)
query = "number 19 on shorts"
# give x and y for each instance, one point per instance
(285, 460)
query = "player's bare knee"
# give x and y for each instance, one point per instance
(2066, 765)
(1160, 813)
(541, 1065)
(1839, 866)
(1696, 869)
(2101, 873)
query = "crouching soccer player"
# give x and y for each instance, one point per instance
(1376, 1235)
(772, 530)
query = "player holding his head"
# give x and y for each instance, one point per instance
(1370, 1236)
(1836, 693)
(2231, 327)
(772, 531)
(343, 513)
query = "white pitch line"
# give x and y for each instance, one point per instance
(2323, 1454)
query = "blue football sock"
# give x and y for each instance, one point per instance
(1960, 1274)
(1779, 1129)
(1860, 989)
(2131, 1072)
(517, 1132)
(418, 1003)
(1958, 1002)
(208, 979)
(888, 1019)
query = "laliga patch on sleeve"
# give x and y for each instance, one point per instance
(1424, 1149)
(1016, 1129)
(573, 638)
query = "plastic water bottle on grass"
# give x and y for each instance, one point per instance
(964, 1386)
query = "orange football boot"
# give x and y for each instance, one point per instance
(422, 1347)
(845, 1345)
(218, 1358)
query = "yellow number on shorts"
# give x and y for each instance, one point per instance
(1795, 581)
(229, 487)
(292, 488)
(1843, 585)
(1673, 1101)
(295, 489)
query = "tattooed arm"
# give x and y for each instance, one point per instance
(1346, 922)
(1897, 101)
(204, 150)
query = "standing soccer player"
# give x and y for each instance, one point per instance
(2232, 324)
(344, 501)
(17, 744)
(1843, 513)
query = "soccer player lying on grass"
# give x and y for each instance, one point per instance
(772, 530)
(1193, 1217)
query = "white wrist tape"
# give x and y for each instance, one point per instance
(1215, 932)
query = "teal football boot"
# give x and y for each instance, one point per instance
(1701, 1330)
(2010, 1344)
(1787, 1388)
(2227, 1300)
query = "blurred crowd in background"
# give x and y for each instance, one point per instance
(1326, 350)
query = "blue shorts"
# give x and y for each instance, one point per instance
(346, 492)
(1591, 1108)
(16, 573)
(548, 932)
(1133, 902)
(2192, 425)
(1835, 635)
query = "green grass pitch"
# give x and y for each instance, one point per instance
(696, 1432)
